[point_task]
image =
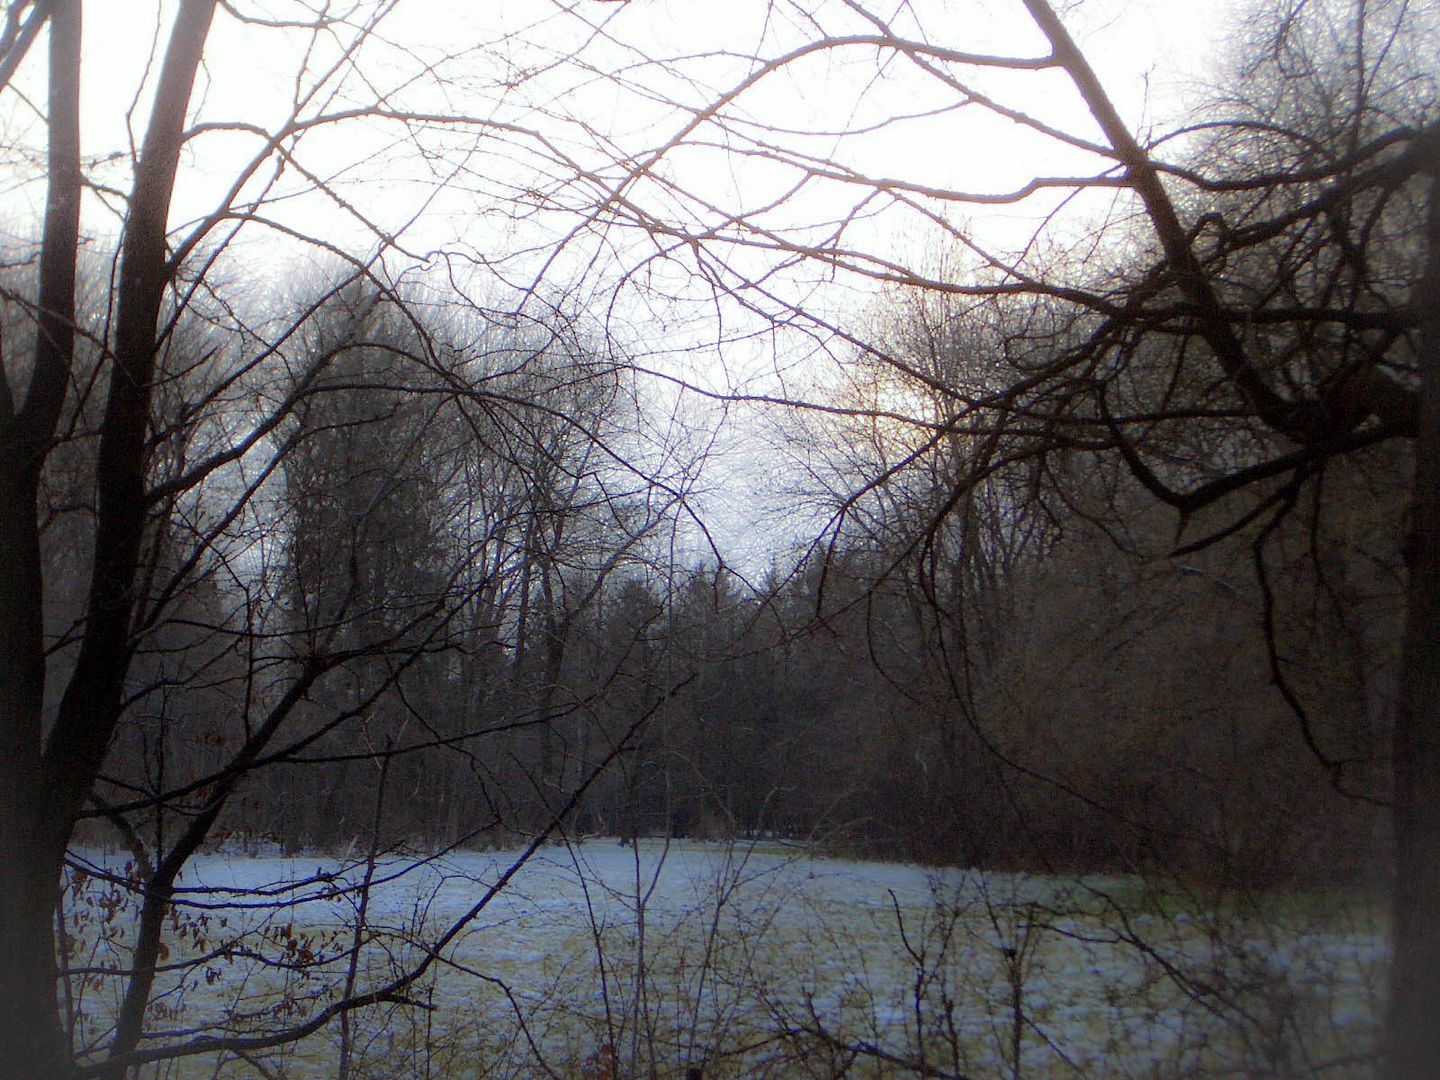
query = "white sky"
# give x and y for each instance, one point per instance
(1145, 50)
(609, 81)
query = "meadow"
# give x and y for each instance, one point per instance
(680, 958)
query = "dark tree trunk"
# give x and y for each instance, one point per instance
(41, 792)
(1414, 1015)
(32, 1040)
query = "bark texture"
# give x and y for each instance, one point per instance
(1414, 1012)
(45, 779)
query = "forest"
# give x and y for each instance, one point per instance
(835, 441)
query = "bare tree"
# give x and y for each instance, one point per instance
(274, 498)
(1225, 310)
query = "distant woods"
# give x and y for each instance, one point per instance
(445, 597)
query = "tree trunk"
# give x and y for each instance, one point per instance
(41, 791)
(32, 1043)
(32, 1039)
(1414, 1012)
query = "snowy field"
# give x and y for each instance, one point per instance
(597, 960)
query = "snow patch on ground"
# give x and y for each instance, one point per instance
(741, 958)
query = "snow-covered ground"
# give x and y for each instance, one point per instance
(747, 960)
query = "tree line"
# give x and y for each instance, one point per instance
(1128, 534)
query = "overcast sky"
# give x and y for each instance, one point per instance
(587, 91)
(629, 74)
